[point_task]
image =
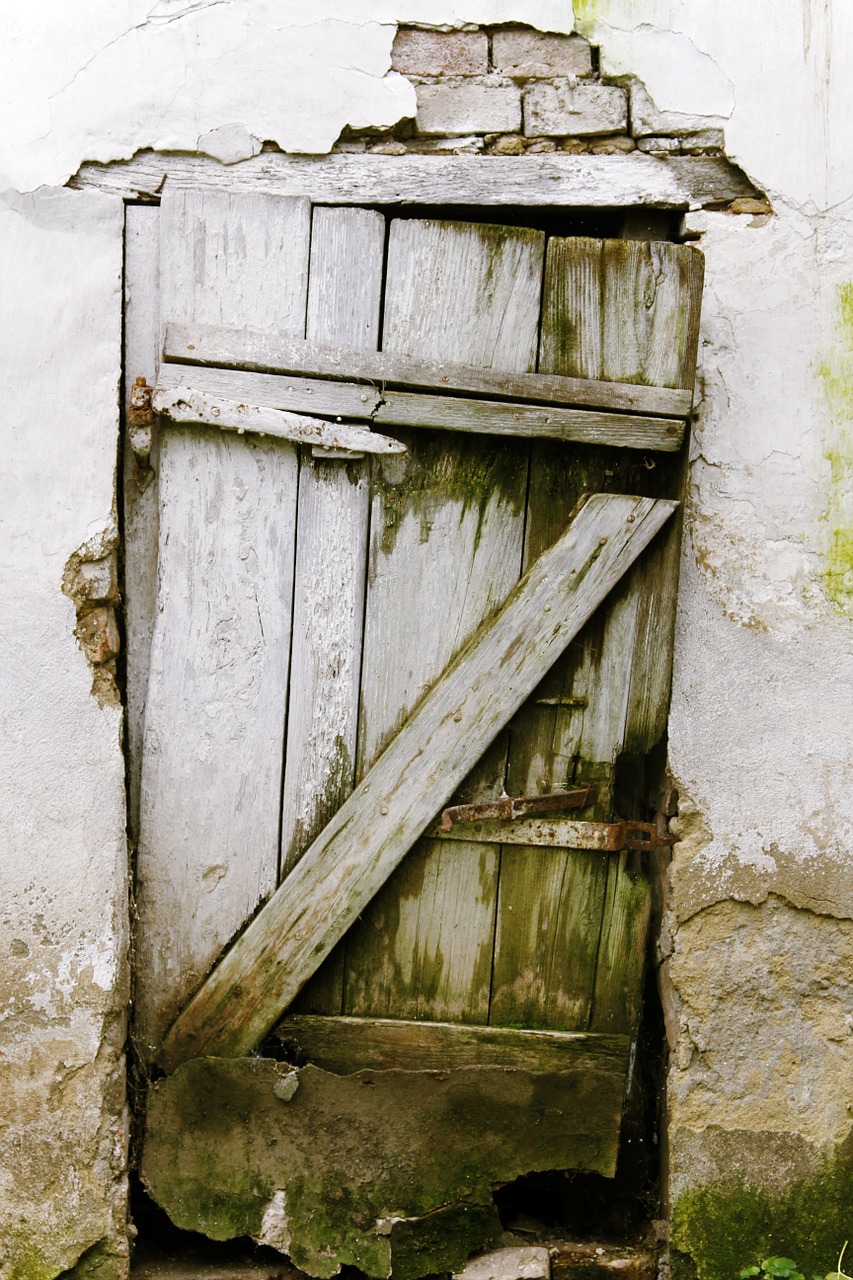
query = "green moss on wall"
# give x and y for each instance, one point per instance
(836, 374)
(718, 1229)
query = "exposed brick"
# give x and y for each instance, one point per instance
(470, 108)
(435, 53)
(558, 110)
(703, 140)
(530, 54)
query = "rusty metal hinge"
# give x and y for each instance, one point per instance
(508, 807)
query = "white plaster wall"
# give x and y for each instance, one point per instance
(63, 859)
(762, 694)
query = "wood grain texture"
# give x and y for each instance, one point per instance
(425, 947)
(275, 391)
(141, 504)
(546, 942)
(492, 417)
(211, 772)
(345, 281)
(652, 293)
(273, 353)
(315, 396)
(580, 182)
(185, 406)
(621, 964)
(447, 533)
(414, 777)
(345, 1045)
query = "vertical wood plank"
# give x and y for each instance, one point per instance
(621, 963)
(446, 545)
(211, 769)
(343, 307)
(141, 509)
(652, 294)
(546, 942)
(620, 312)
(344, 296)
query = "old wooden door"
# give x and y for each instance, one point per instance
(436, 625)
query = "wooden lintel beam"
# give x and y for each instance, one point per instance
(479, 691)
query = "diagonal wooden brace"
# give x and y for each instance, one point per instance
(476, 695)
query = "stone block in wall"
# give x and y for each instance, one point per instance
(659, 146)
(436, 53)
(647, 120)
(559, 110)
(532, 54)
(469, 108)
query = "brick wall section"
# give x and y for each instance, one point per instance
(510, 90)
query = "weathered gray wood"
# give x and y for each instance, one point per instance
(581, 182)
(415, 776)
(211, 773)
(188, 406)
(492, 417)
(141, 509)
(276, 391)
(464, 290)
(345, 280)
(272, 353)
(652, 293)
(448, 531)
(409, 409)
(346, 1045)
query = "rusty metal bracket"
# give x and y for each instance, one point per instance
(508, 807)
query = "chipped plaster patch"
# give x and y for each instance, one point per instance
(773, 69)
(173, 75)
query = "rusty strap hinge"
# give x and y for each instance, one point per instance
(508, 807)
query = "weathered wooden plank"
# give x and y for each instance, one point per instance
(409, 409)
(464, 291)
(141, 509)
(347, 248)
(446, 549)
(345, 282)
(188, 407)
(273, 353)
(580, 182)
(572, 309)
(546, 940)
(347, 1045)
(276, 391)
(621, 965)
(652, 293)
(211, 773)
(415, 776)
(424, 947)
(492, 417)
